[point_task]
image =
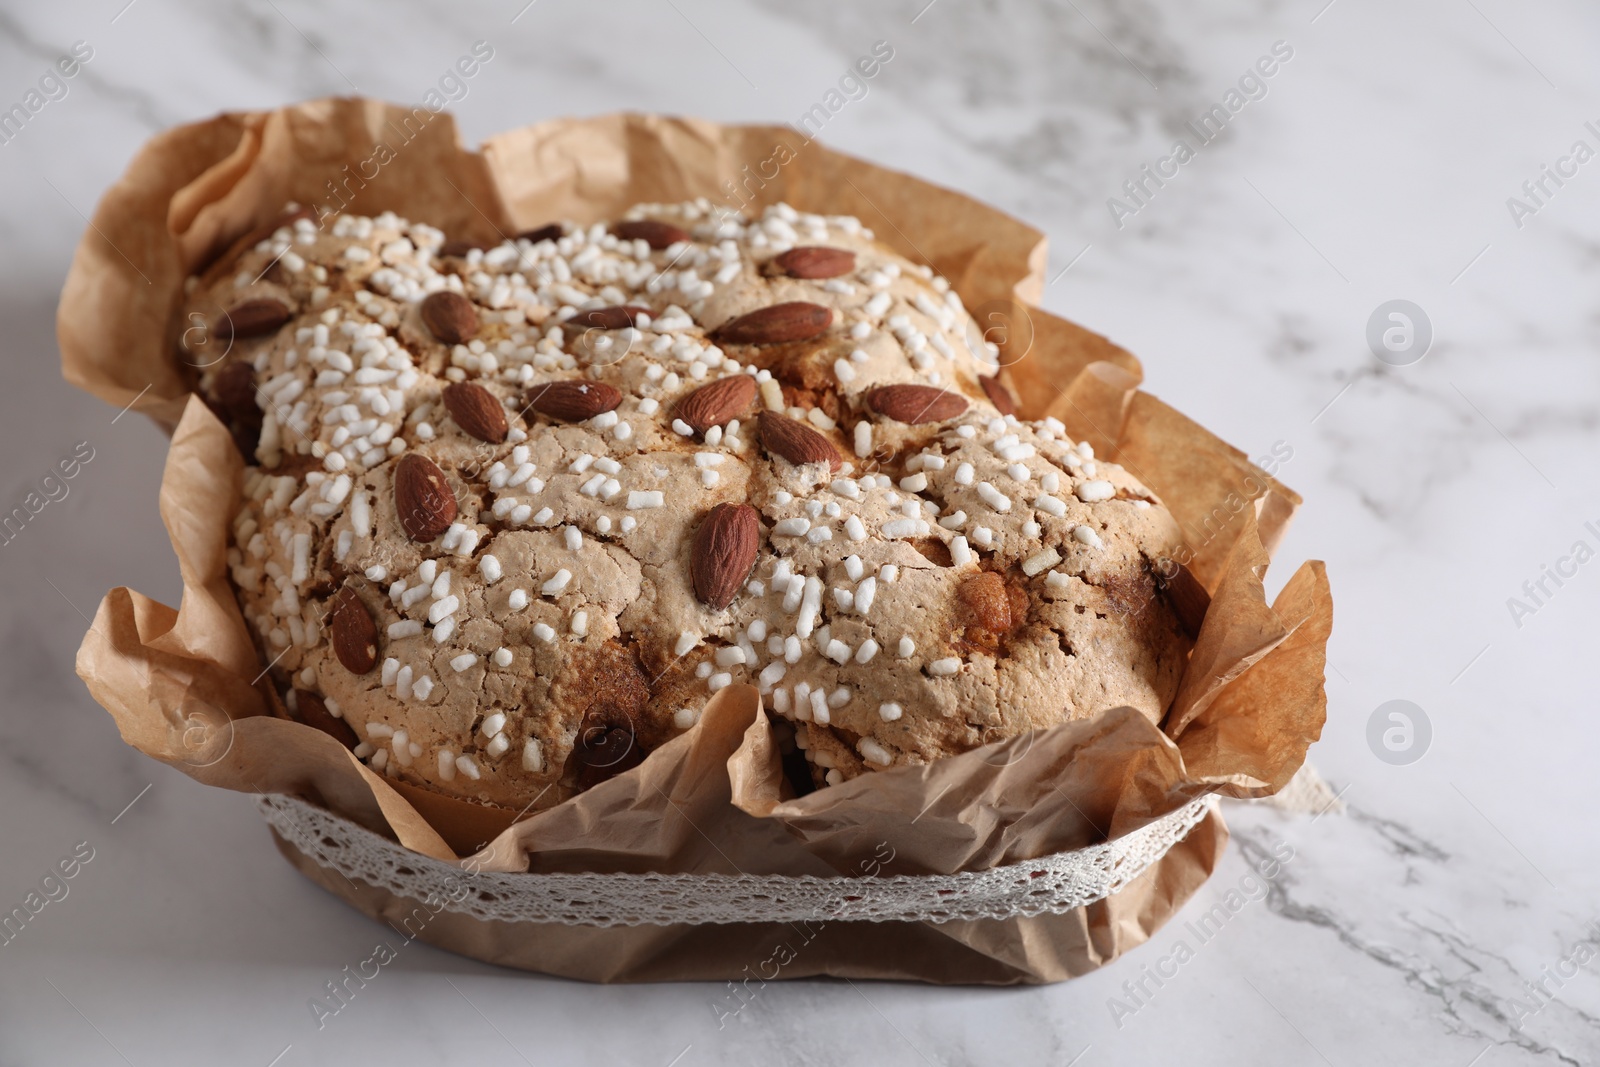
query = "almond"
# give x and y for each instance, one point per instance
(992, 608)
(253, 318)
(716, 402)
(793, 321)
(477, 411)
(616, 317)
(998, 394)
(1188, 597)
(608, 735)
(353, 633)
(553, 232)
(916, 403)
(795, 441)
(723, 553)
(607, 745)
(450, 317)
(235, 391)
(814, 261)
(422, 498)
(984, 597)
(655, 234)
(573, 401)
(458, 249)
(311, 710)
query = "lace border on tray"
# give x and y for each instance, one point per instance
(1055, 884)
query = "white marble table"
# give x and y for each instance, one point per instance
(1377, 166)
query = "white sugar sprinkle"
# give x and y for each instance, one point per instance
(865, 594)
(873, 752)
(819, 708)
(302, 549)
(1041, 562)
(440, 610)
(653, 498)
(994, 497)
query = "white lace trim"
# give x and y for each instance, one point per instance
(1054, 884)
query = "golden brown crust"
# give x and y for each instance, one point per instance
(516, 515)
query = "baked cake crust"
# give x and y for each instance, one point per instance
(512, 514)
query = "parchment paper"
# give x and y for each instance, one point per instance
(188, 688)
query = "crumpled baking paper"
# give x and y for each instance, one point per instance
(188, 688)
